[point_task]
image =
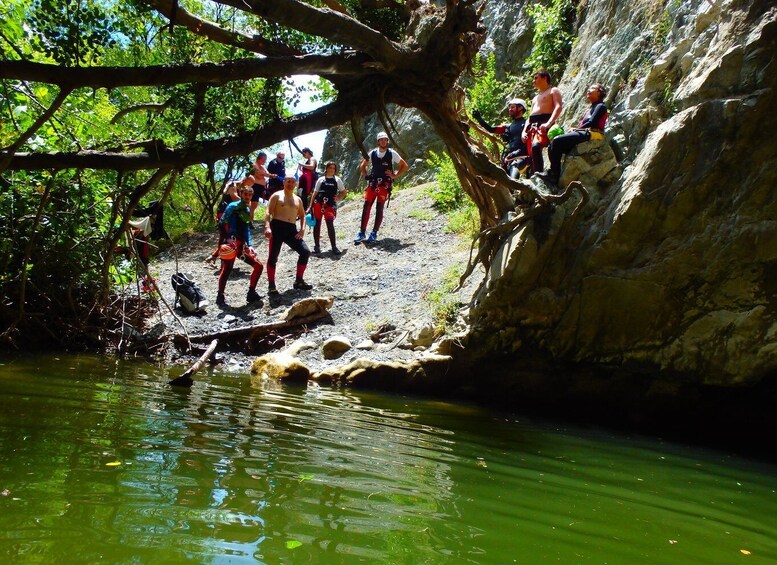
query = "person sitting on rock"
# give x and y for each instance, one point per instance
(236, 218)
(514, 156)
(545, 110)
(591, 128)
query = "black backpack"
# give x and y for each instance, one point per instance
(188, 294)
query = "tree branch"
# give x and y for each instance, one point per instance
(337, 27)
(167, 75)
(156, 108)
(214, 32)
(357, 101)
(42, 119)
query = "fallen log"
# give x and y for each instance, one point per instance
(251, 332)
(186, 378)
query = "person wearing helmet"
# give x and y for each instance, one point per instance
(231, 194)
(591, 127)
(382, 161)
(514, 156)
(236, 220)
(280, 226)
(545, 110)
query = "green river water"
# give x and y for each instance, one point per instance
(101, 461)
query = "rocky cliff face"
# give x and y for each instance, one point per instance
(671, 270)
(509, 38)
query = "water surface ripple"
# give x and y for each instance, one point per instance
(101, 460)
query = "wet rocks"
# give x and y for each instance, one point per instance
(279, 365)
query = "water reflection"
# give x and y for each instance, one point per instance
(101, 460)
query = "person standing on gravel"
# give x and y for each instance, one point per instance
(280, 226)
(277, 170)
(328, 192)
(382, 159)
(261, 176)
(231, 194)
(236, 218)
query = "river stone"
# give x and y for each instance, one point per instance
(334, 347)
(423, 335)
(365, 345)
(278, 365)
(308, 306)
(299, 345)
(423, 374)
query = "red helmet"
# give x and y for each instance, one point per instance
(227, 251)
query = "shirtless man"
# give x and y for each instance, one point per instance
(261, 174)
(545, 110)
(280, 226)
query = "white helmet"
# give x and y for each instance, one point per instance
(382, 135)
(517, 102)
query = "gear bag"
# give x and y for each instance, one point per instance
(188, 294)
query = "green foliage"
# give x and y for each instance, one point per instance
(444, 304)
(446, 192)
(552, 40)
(464, 220)
(72, 32)
(487, 94)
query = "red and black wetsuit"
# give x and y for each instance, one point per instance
(235, 219)
(379, 188)
(325, 207)
(306, 183)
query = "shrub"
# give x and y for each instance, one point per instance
(446, 192)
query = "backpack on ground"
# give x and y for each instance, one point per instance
(188, 294)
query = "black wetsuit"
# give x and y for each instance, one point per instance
(594, 118)
(514, 145)
(274, 184)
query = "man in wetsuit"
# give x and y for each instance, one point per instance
(236, 218)
(277, 170)
(382, 160)
(545, 110)
(514, 156)
(590, 127)
(280, 226)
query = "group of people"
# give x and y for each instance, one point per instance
(289, 212)
(525, 139)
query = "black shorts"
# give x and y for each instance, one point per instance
(259, 192)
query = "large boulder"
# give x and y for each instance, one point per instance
(593, 163)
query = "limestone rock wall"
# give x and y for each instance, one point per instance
(508, 37)
(671, 269)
